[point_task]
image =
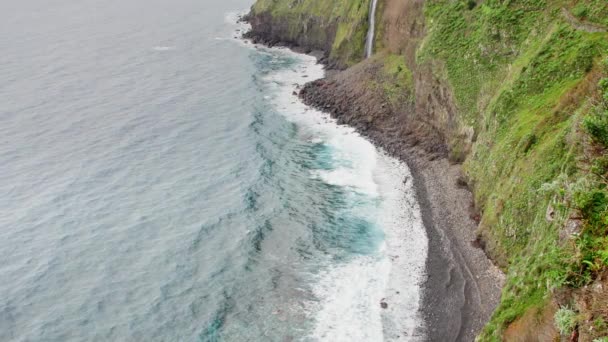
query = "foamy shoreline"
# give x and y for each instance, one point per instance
(405, 245)
(403, 253)
(461, 287)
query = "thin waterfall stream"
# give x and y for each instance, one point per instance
(369, 41)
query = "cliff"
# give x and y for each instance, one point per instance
(515, 94)
(337, 28)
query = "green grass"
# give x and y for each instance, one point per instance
(593, 11)
(393, 79)
(514, 68)
(397, 81)
(350, 16)
(476, 45)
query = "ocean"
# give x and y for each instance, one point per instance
(161, 181)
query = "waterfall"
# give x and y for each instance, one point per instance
(369, 41)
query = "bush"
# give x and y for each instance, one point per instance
(592, 203)
(604, 87)
(597, 126)
(603, 84)
(599, 324)
(565, 320)
(599, 166)
(471, 4)
(580, 11)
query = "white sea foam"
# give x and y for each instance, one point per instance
(358, 159)
(350, 294)
(350, 148)
(239, 26)
(164, 48)
(406, 248)
(232, 18)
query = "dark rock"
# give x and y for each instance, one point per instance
(550, 213)
(461, 182)
(275, 31)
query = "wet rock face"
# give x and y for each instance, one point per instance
(305, 35)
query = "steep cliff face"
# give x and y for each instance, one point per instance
(524, 76)
(337, 28)
(515, 91)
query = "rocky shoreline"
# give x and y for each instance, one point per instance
(269, 33)
(463, 286)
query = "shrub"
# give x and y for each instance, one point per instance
(565, 320)
(603, 84)
(604, 87)
(597, 126)
(599, 166)
(471, 4)
(591, 203)
(599, 324)
(580, 11)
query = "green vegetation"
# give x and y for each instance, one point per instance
(593, 11)
(597, 124)
(350, 16)
(485, 39)
(580, 11)
(565, 320)
(520, 75)
(396, 79)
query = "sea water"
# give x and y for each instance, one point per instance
(160, 181)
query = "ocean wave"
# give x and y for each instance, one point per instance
(350, 290)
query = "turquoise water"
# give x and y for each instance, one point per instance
(161, 183)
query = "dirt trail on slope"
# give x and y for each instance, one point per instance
(582, 26)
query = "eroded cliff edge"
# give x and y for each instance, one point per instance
(505, 98)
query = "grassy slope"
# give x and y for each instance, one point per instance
(522, 77)
(351, 16)
(394, 79)
(593, 11)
